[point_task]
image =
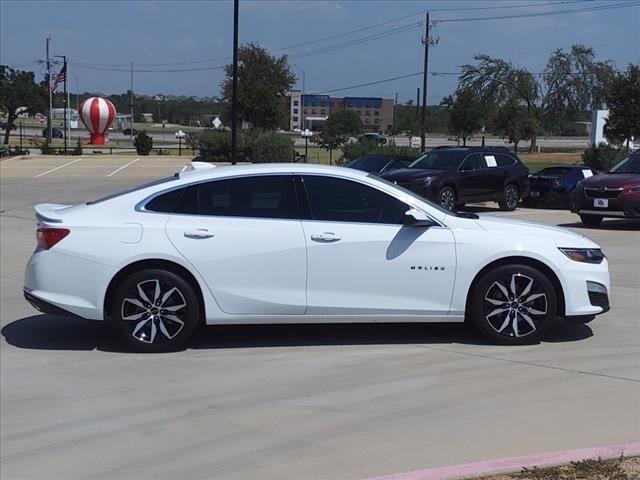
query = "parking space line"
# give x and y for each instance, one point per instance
(123, 167)
(57, 168)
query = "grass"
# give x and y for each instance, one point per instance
(591, 469)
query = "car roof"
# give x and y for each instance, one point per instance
(263, 168)
(387, 155)
(472, 149)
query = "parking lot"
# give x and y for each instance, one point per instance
(314, 401)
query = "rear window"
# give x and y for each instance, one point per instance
(134, 189)
(556, 171)
(438, 160)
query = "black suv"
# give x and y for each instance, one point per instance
(453, 176)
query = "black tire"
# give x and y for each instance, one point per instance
(533, 316)
(591, 220)
(447, 198)
(510, 197)
(166, 329)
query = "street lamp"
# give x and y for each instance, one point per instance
(180, 135)
(306, 134)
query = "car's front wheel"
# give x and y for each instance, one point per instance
(513, 305)
(155, 310)
(591, 220)
(510, 198)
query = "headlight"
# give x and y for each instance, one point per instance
(427, 181)
(635, 189)
(585, 255)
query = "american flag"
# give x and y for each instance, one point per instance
(61, 77)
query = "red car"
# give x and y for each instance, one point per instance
(614, 194)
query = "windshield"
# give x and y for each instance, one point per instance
(436, 161)
(368, 164)
(422, 199)
(631, 164)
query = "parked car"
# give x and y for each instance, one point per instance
(379, 164)
(55, 133)
(372, 137)
(615, 194)
(553, 185)
(453, 176)
(217, 245)
(130, 131)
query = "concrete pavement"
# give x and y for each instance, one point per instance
(304, 402)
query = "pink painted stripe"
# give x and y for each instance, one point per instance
(515, 464)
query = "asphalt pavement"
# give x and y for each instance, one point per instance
(299, 402)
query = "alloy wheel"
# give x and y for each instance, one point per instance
(511, 197)
(515, 306)
(154, 310)
(448, 199)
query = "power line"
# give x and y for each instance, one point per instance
(543, 14)
(358, 30)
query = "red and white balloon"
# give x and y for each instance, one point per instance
(97, 114)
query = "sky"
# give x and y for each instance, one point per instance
(101, 38)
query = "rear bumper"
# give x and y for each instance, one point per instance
(46, 307)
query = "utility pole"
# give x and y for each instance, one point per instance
(395, 116)
(49, 126)
(234, 88)
(423, 126)
(131, 103)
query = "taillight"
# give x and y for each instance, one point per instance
(48, 237)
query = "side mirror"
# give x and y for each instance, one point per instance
(417, 218)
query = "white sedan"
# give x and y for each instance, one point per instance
(287, 243)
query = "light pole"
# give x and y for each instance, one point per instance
(306, 134)
(180, 135)
(302, 96)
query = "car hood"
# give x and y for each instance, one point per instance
(563, 237)
(411, 173)
(612, 180)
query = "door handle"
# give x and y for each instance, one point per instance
(326, 237)
(199, 233)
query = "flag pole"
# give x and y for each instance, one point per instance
(66, 104)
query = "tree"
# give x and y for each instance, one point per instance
(407, 120)
(623, 100)
(515, 123)
(337, 129)
(465, 114)
(262, 82)
(572, 81)
(18, 88)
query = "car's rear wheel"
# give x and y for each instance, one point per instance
(510, 198)
(591, 220)
(155, 310)
(513, 305)
(447, 198)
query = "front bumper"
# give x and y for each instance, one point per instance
(620, 207)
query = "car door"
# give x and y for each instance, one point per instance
(362, 260)
(472, 178)
(246, 240)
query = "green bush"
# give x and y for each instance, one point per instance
(143, 143)
(603, 156)
(360, 149)
(270, 147)
(258, 147)
(46, 149)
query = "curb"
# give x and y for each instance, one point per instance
(515, 464)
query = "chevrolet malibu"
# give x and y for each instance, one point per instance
(303, 244)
